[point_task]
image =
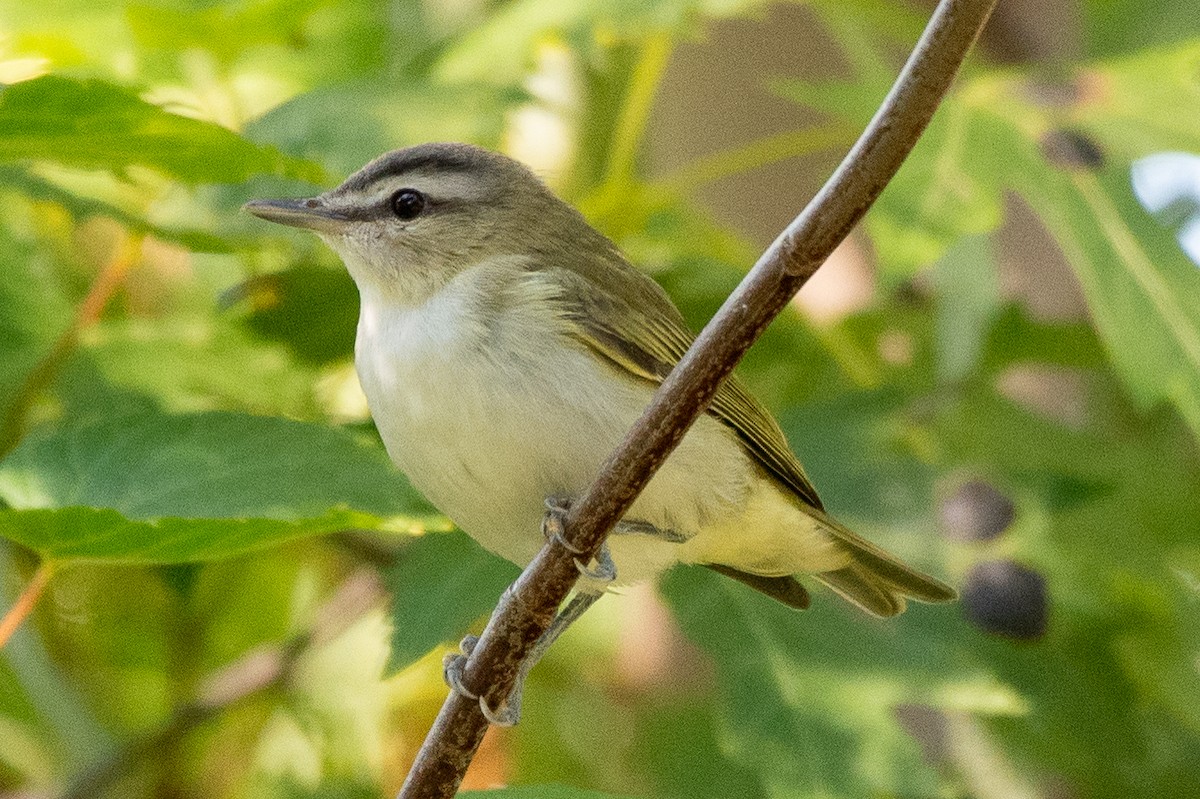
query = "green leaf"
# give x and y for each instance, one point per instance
(851, 100)
(1087, 723)
(34, 312)
(1105, 687)
(852, 446)
(1068, 152)
(14, 704)
(995, 133)
(313, 311)
(83, 207)
(1118, 26)
(224, 30)
(681, 754)
(807, 699)
(440, 584)
(194, 362)
(502, 49)
(102, 534)
(1015, 338)
(948, 188)
(33, 681)
(1139, 285)
(168, 489)
(970, 298)
(92, 124)
(336, 787)
(313, 125)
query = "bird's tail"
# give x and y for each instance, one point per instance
(786, 589)
(875, 580)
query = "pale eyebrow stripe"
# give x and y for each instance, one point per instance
(442, 188)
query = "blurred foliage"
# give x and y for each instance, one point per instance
(179, 422)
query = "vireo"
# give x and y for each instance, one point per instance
(505, 348)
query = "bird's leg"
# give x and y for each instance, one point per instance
(635, 527)
(605, 571)
(552, 522)
(556, 513)
(509, 713)
(552, 530)
(585, 596)
(597, 579)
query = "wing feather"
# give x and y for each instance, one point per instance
(633, 323)
(648, 339)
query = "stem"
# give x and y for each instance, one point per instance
(866, 59)
(527, 607)
(631, 125)
(757, 154)
(105, 284)
(27, 600)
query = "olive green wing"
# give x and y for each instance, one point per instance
(633, 323)
(648, 338)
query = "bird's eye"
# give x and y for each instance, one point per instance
(408, 203)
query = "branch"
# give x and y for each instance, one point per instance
(527, 607)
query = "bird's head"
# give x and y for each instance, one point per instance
(409, 221)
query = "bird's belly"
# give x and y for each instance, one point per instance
(488, 457)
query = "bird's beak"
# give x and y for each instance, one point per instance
(312, 214)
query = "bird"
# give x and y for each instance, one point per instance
(505, 347)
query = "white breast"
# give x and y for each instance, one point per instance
(488, 420)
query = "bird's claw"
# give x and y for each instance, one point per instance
(552, 523)
(508, 714)
(605, 571)
(552, 530)
(453, 664)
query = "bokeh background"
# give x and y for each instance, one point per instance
(227, 591)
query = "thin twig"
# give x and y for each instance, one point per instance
(526, 608)
(758, 154)
(635, 112)
(104, 285)
(27, 601)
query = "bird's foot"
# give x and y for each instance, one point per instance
(605, 571)
(453, 664)
(509, 713)
(553, 522)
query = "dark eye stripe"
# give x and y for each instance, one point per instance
(381, 209)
